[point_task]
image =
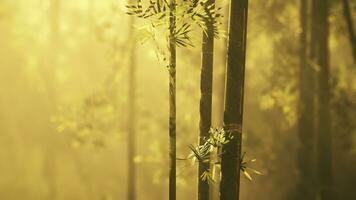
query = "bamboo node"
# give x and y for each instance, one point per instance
(233, 128)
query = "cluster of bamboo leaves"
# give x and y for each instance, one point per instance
(188, 14)
(210, 152)
(204, 153)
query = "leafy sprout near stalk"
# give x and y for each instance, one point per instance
(213, 146)
(247, 170)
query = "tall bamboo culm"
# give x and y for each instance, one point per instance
(234, 96)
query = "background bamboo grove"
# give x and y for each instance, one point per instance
(91, 108)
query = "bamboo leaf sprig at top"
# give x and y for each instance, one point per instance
(189, 14)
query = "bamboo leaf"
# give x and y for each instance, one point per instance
(247, 175)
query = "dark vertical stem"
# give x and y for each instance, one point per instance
(234, 95)
(306, 185)
(172, 102)
(314, 32)
(324, 132)
(222, 72)
(206, 88)
(131, 117)
(350, 27)
(219, 79)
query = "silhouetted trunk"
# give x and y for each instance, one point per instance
(350, 27)
(234, 95)
(206, 89)
(218, 100)
(324, 132)
(131, 116)
(306, 186)
(218, 118)
(172, 102)
(221, 72)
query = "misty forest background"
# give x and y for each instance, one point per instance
(65, 99)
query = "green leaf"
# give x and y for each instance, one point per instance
(247, 175)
